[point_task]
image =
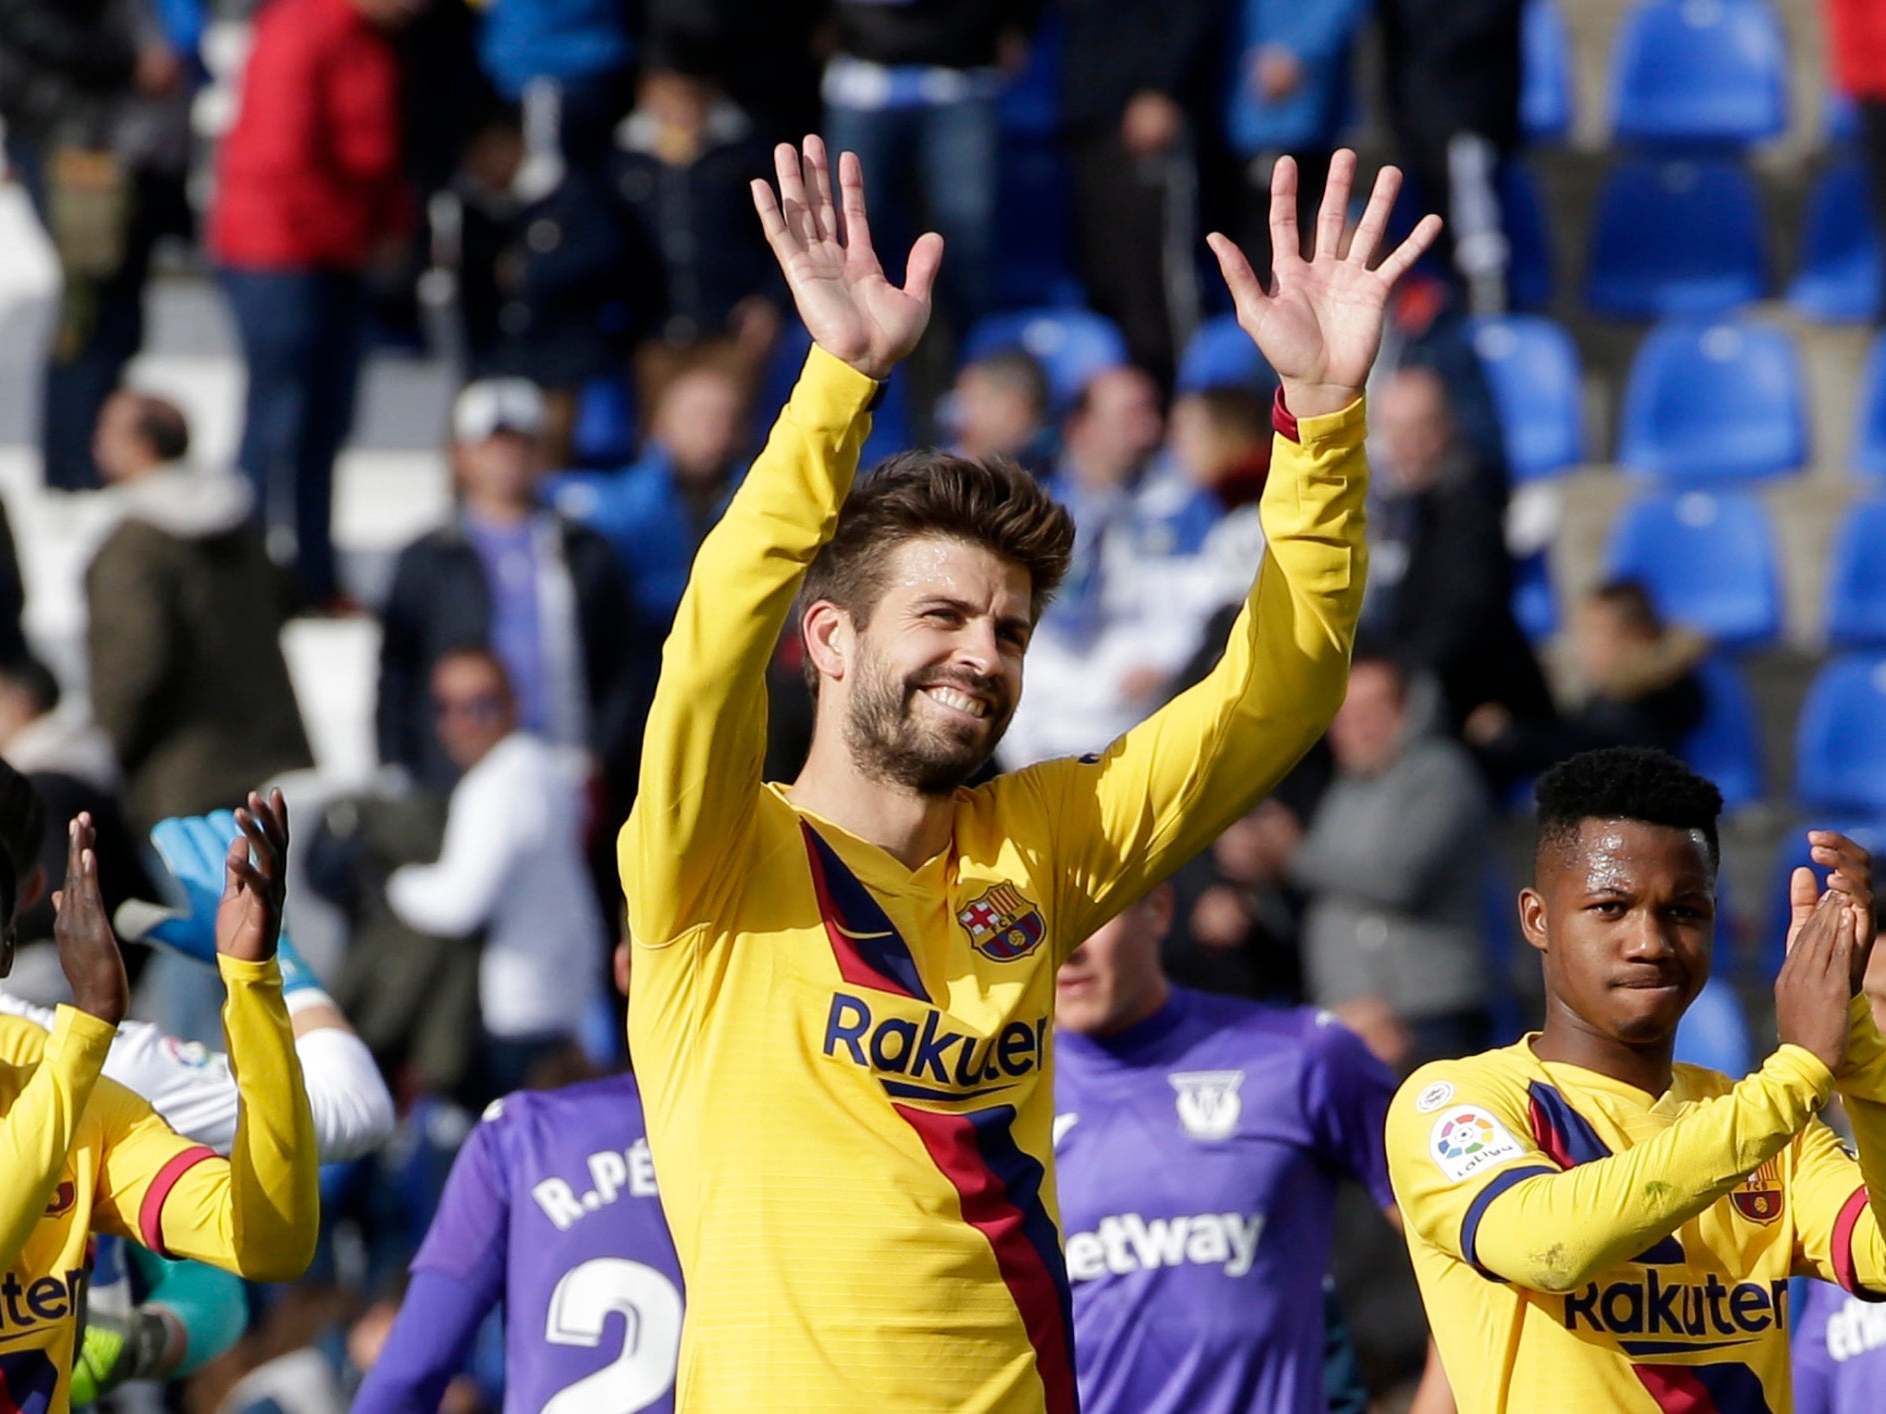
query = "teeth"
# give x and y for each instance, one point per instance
(961, 701)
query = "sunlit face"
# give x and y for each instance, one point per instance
(1114, 979)
(929, 683)
(1626, 920)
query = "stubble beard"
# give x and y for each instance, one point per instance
(889, 744)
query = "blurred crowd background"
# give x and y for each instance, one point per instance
(373, 367)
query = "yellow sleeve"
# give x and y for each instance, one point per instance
(1164, 790)
(36, 1132)
(1552, 1230)
(256, 1213)
(22, 1042)
(1863, 1070)
(1836, 1229)
(706, 733)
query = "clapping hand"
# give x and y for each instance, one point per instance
(255, 870)
(88, 949)
(1850, 876)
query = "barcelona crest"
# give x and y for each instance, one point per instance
(1002, 925)
(1759, 1197)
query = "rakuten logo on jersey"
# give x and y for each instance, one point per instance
(1120, 1246)
(1656, 1307)
(924, 1058)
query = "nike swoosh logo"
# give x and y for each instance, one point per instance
(864, 937)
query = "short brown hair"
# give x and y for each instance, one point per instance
(987, 501)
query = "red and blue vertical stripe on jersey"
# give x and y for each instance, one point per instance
(27, 1382)
(1000, 1186)
(869, 950)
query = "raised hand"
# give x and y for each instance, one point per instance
(88, 950)
(1816, 982)
(255, 871)
(1320, 325)
(1850, 876)
(846, 304)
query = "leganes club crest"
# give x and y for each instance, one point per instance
(1002, 925)
(1208, 1102)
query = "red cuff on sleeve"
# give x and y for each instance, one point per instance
(1281, 418)
(1843, 1246)
(151, 1210)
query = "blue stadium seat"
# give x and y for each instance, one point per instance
(1535, 602)
(1072, 345)
(1699, 71)
(1708, 560)
(1714, 1032)
(1839, 279)
(1714, 402)
(1529, 238)
(604, 433)
(1220, 354)
(1840, 745)
(1869, 433)
(1727, 744)
(1545, 72)
(1533, 372)
(1675, 237)
(1856, 580)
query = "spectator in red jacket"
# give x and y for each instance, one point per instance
(310, 194)
(1856, 43)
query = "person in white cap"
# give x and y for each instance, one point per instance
(547, 597)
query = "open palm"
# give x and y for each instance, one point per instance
(846, 304)
(1320, 326)
(255, 868)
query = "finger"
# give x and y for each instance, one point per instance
(772, 221)
(1401, 260)
(1286, 241)
(235, 866)
(1246, 292)
(58, 900)
(72, 848)
(243, 875)
(851, 192)
(815, 161)
(1374, 222)
(1332, 214)
(920, 271)
(261, 849)
(1803, 894)
(278, 808)
(792, 197)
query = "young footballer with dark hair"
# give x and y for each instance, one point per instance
(1595, 1227)
(843, 986)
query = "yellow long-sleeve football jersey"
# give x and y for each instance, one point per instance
(846, 1062)
(1583, 1246)
(80, 1153)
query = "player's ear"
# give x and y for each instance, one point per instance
(829, 638)
(1532, 918)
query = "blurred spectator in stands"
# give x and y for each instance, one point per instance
(95, 96)
(12, 593)
(547, 596)
(1103, 651)
(765, 56)
(184, 616)
(579, 52)
(656, 512)
(1289, 94)
(1856, 43)
(1452, 69)
(1392, 864)
(912, 90)
(1637, 686)
(70, 765)
(683, 163)
(511, 868)
(1221, 440)
(309, 193)
(1440, 579)
(1136, 77)
(999, 408)
(554, 284)
(1239, 919)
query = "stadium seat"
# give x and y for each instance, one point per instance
(1220, 354)
(1072, 345)
(1529, 239)
(1869, 433)
(1714, 1032)
(1699, 71)
(1533, 372)
(1673, 238)
(1840, 745)
(1714, 402)
(1839, 278)
(1535, 602)
(1708, 559)
(1856, 580)
(1545, 72)
(604, 433)
(1727, 744)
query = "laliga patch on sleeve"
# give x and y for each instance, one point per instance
(1467, 1140)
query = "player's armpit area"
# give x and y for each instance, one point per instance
(706, 733)
(1126, 819)
(1554, 1231)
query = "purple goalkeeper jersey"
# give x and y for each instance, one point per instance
(551, 1207)
(1198, 1155)
(1839, 1353)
